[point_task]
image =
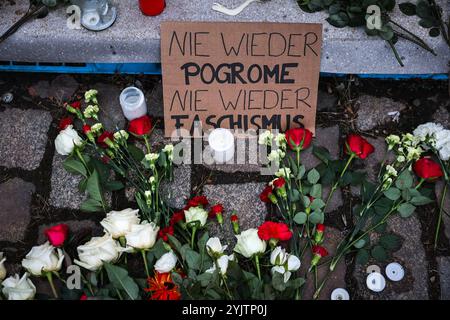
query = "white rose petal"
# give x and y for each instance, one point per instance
(142, 236)
(249, 244)
(293, 263)
(66, 140)
(15, 288)
(196, 214)
(166, 263)
(214, 247)
(43, 258)
(118, 223)
(223, 264)
(278, 256)
(98, 250)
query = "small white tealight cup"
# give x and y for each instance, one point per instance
(340, 294)
(133, 103)
(373, 268)
(394, 271)
(376, 282)
(221, 142)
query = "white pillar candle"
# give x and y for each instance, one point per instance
(133, 104)
(221, 142)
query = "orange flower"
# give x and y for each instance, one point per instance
(162, 287)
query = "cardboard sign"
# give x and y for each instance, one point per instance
(240, 75)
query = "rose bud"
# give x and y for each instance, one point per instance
(358, 146)
(318, 253)
(140, 126)
(87, 131)
(57, 235)
(65, 122)
(318, 235)
(426, 168)
(216, 211)
(268, 196)
(106, 140)
(235, 222)
(279, 185)
(298, 138)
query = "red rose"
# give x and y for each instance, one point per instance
(57, 235)
(319, 251)
(76, 105)
(83, 297)
(177, 217)
(140, 126)
(105, 139)
(65, 122)
(274, 230)
(279, 183)
(234, 218)
(215, 210)
(298, 138)
(427, 168)
(164, 232)
(358, 146)
(197, 201)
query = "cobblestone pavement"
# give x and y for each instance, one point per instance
(35, 191)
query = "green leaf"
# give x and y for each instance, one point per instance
(136, 153)
(120, 280)
(175, 243)
(423, 9)
(278, 281)
(392, 193)
(338, 20)
(379, 253)
(407, 8)
(306, 201)
(293, 166)
(316, 191)
(294, 195)
(82, 185)
(193, 259)
(404, 180)
(390, 242)
(301, 172)
(313, 176)
(362, 257)
(74, 166)
(300, 218)
(91, 205)
(427, 23)
(322, 153)
(114, 185)
(360, 244)
(406, 210)
(434, 32)
(386, 32)
(383, 206)
(316, 217)
(421, 200)
(317, 204)
(93, 186)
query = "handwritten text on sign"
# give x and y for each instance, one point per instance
(240, 75)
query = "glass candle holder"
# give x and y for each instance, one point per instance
(133, 103)
(221, 142)
(152, 7)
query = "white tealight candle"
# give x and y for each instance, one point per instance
(376, 282)
(394, 271)
(221, 142)
(340, 294)
(133, 104)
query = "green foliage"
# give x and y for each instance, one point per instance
(122, 281)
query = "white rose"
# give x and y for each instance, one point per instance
(2, 267)
(15, 288)
(222, 262)
(98, 250)
(196, 214)
(43, 258)
(293, 263)
(278, 256)
(142, 236)
(214, 247)
(166, 263)
(444, 152)
(249, 244)
(66, 141)
(118, 223)
(427, 130)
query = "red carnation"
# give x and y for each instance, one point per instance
(215, 210)
(57, 235)
(76, 104)
(65, 122)
(197, 201)
(298, 138)
(358, 146)
(274, 230)
(318, 236)
(140, 126)
(267, 195)
(320, 227)
(234, 218)
(235, 222)
(319, 251)
(177, 217)
(106, 139)
(164, 232)
(427, 168)
(279, 183)
(83, 297)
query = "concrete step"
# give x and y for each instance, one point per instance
(136, 38)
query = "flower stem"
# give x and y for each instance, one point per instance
(147, 144)
(194, 230)
(144, 257)
(441, 210)
(258, 270)
(52, 285)
(335, 185)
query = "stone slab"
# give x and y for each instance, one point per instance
(439, 187)
(111, 114)
(241, 198)
(444, 275)
(345, 50)
(24, 137)
(325, 137)
(15, 201)
(374, 111)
